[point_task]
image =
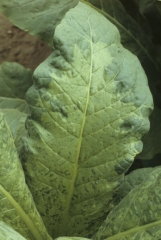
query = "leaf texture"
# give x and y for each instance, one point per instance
(89, 108)
(38, 17)
(7, 233)
(132, 180)
(16, 203)
(133, 38)
(138, 215)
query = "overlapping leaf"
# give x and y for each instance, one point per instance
(38, 17)
(14, 82)
(89, 108)
(138, 215)
(16, 203)
(132, 180)
(7, 233)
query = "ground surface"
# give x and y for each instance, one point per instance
(18, 46)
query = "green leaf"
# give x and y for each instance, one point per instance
(152, 140)
(138, 215)
(15, 80)
(39, 17)
(16, 203)
(89, 105)
(7, 233)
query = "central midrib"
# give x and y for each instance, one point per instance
(75, 170)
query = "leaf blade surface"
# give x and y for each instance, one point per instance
(17, 205)
(137, 215)
(74, 159)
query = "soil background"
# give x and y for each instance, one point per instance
(17, 45)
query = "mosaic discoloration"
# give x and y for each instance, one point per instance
(81, 145)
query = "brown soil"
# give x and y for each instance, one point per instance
(18, 46)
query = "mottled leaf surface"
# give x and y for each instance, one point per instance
(89, 105)
(39, 17)
(138, 215)
(16, 203)
(152, 140)
(134, 39)
(7, 233)
(15, 80)
(132, 180)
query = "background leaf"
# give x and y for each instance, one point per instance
(38, 17)
(17, 206)
(89, 105)
(152, 140)
(145, 5)
(138, 215)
